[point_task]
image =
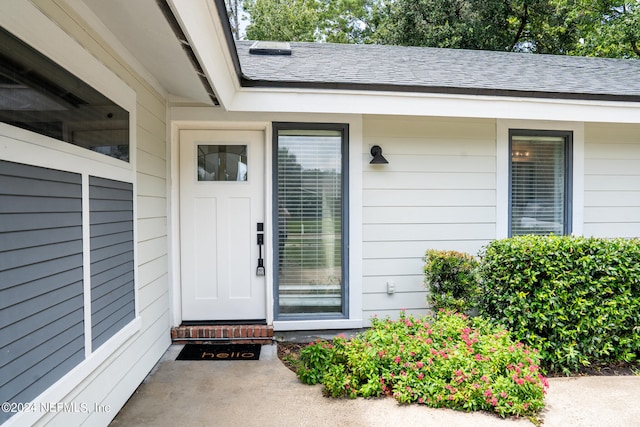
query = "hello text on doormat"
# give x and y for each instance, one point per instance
(220, 352)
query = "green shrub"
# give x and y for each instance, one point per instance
(314, 360)
(451, 278)
(444, 361)
(576, 299)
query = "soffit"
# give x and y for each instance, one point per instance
(143, 30)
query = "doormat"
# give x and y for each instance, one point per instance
(220, 352)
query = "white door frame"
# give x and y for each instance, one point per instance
(210, 118)
(173, 149)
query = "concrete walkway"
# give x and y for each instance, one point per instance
(266, 393)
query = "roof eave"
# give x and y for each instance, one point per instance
(441, 90)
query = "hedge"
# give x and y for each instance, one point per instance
(575, 299)
(451, 278)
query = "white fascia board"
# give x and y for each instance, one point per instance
(201, 24)
(435, 105)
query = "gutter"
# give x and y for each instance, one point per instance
(442, 90)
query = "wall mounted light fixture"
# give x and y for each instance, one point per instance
(378, 158)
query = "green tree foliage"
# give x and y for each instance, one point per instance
(352, 21)
(609, 28)
(446, 23)
(542, 26)
(337, 21)
(539, 26)
(284, 20)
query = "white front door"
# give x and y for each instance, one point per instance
(221, 206)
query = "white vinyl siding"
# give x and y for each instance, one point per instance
(612, 180)
(437, 192)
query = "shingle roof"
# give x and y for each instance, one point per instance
(419, 69)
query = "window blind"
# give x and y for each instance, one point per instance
(309, 197)
(538, 184)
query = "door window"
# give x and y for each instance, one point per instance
(222, 162)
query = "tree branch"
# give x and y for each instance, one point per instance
(523, 23)
(635, 47)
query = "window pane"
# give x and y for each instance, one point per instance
(538, 183)
(222, 162)
(39, 95)
(310, 222)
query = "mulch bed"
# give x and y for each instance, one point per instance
(621, 368)
(292, 350)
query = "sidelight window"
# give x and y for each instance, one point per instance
(310, 211)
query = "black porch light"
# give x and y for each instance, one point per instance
(378, 158)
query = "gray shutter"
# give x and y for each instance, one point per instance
(41, 280)
(112, 279)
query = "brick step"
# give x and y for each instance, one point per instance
(247, 334)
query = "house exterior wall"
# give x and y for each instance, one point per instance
(112, 372)
(446, 187)
(612, 180)
(437, 192)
